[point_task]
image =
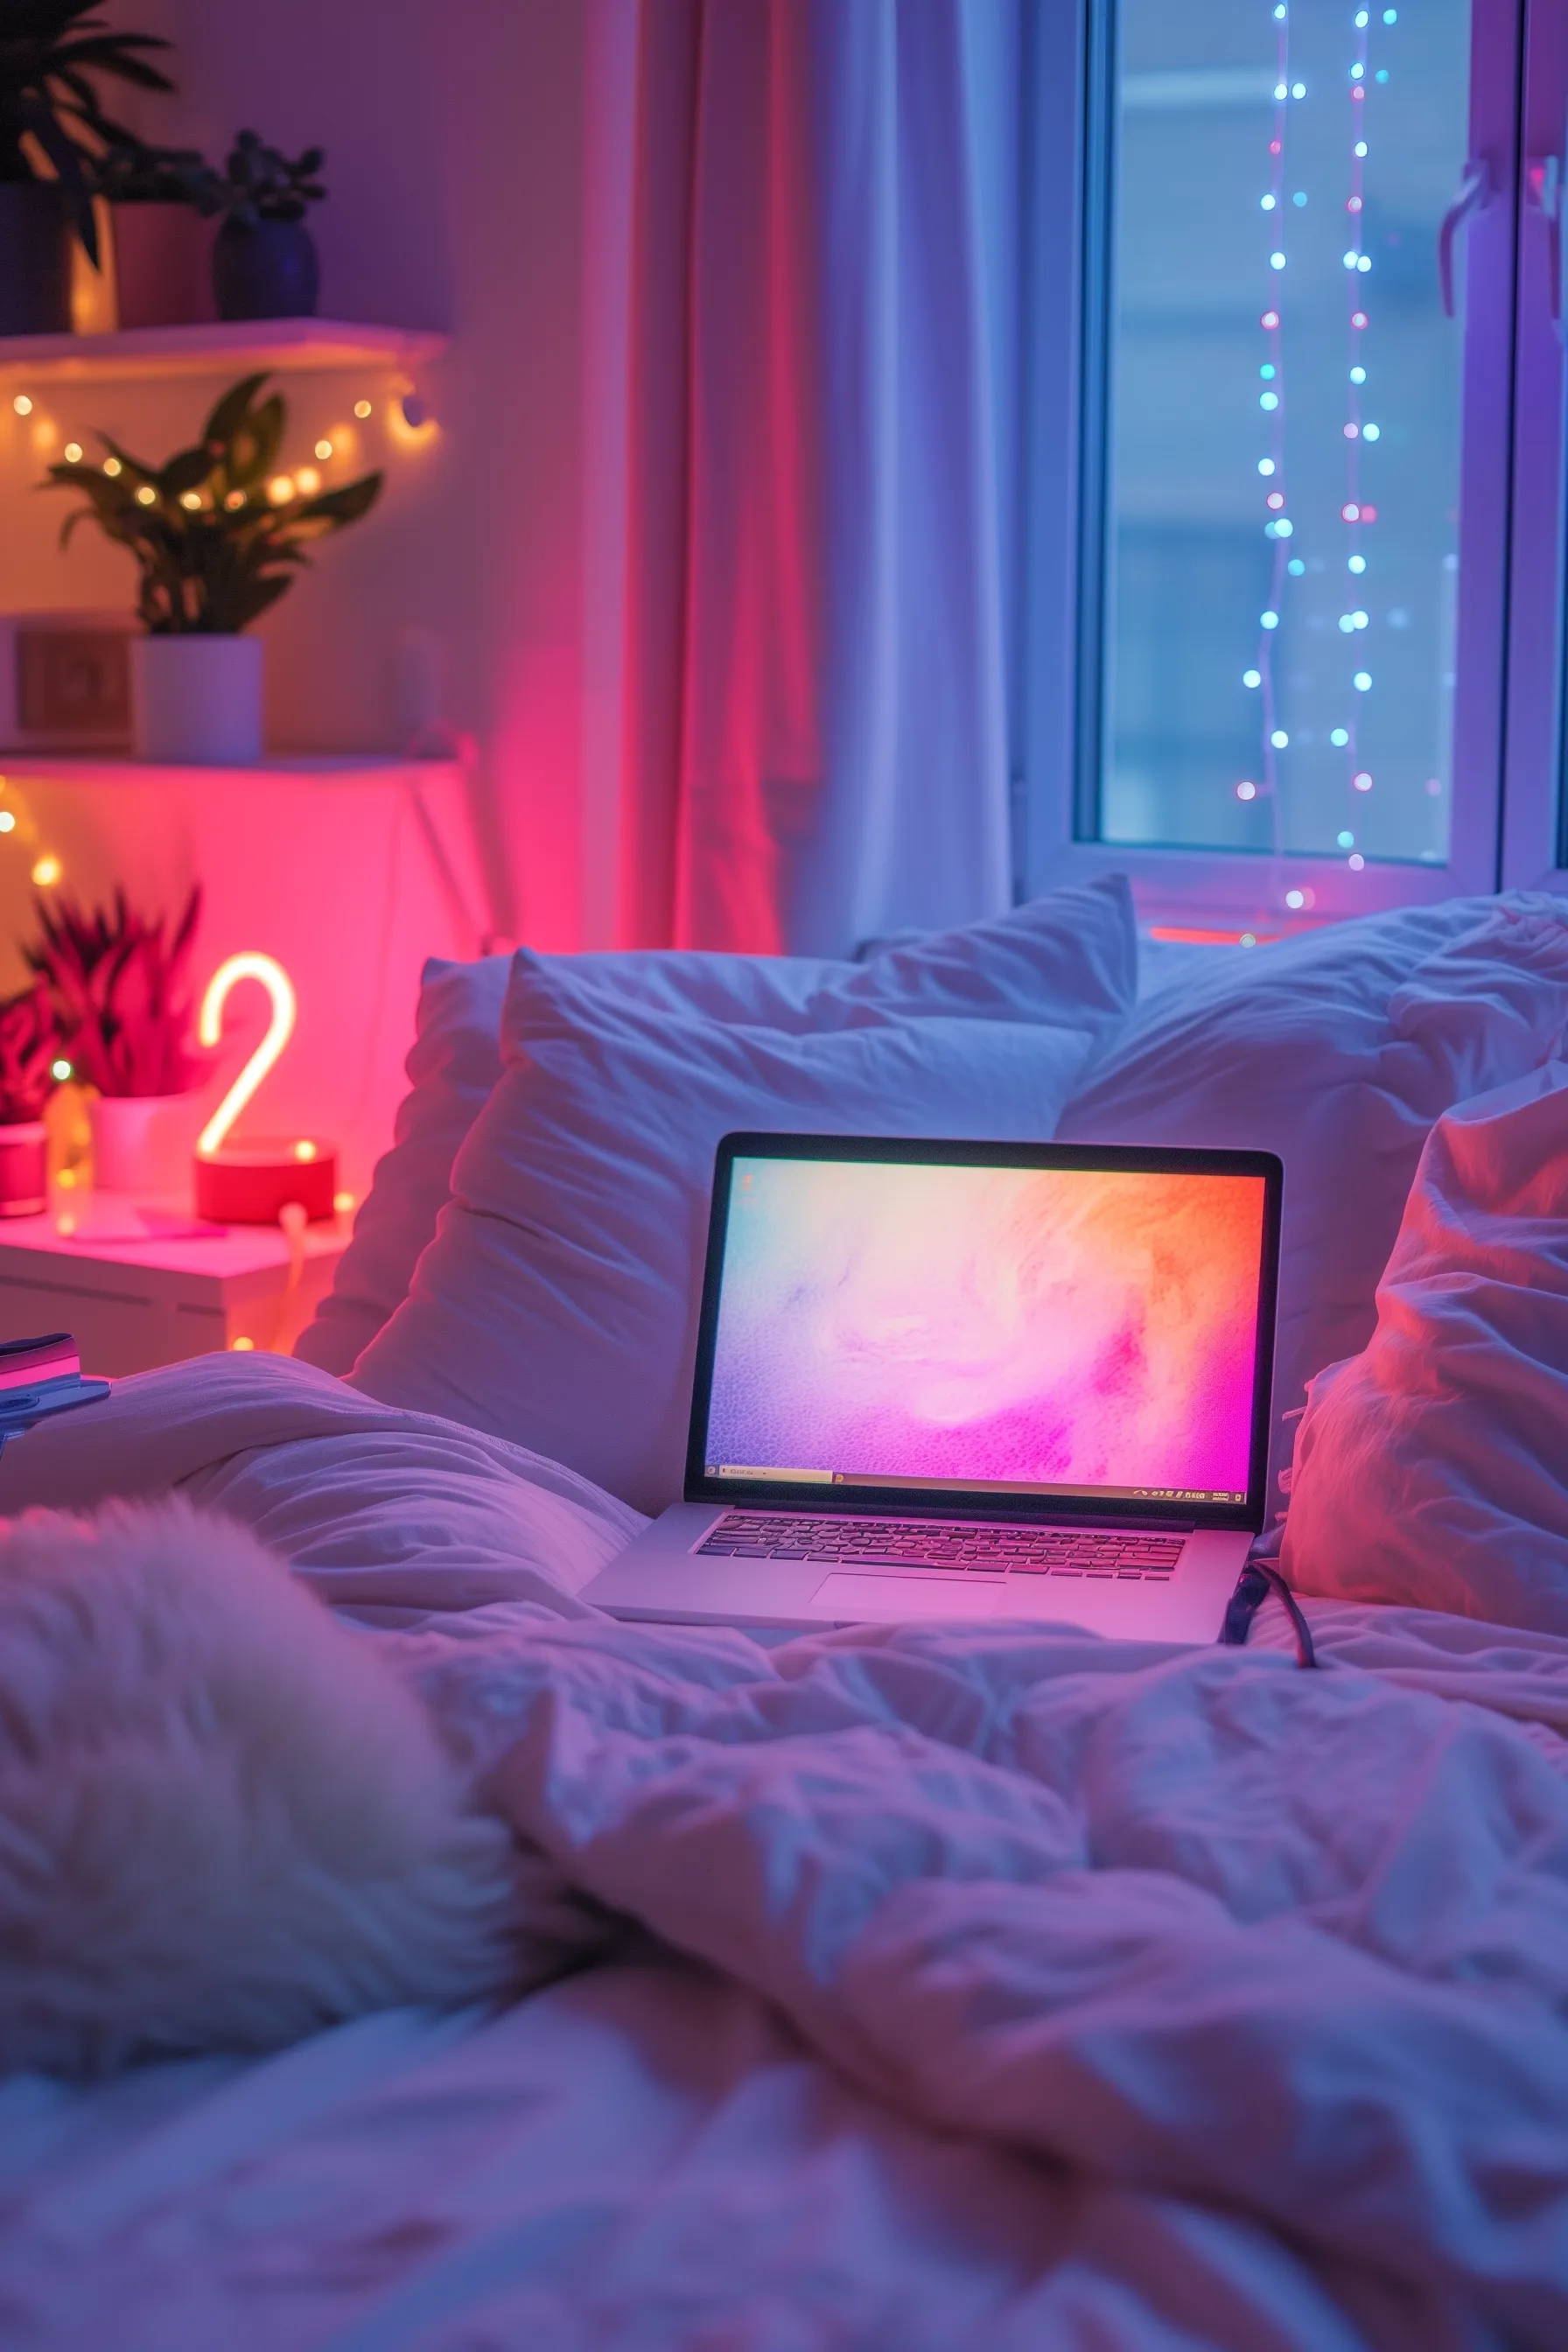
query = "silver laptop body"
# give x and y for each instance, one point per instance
(960, 1380)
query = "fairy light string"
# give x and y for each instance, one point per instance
(1356, 512)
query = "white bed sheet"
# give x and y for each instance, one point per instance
(1221, 1945)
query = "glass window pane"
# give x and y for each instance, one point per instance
(1283, 421)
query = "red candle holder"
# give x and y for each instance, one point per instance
(249, 1183)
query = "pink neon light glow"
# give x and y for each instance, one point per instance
(1052, 1326)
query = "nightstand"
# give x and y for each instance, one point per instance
(141, 1283)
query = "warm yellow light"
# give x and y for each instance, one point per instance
(281, 490)
(146, 495)
(303, 1150)
(191, 499)
(241, 1347)
(22, 405)
(7, 822)
(46, 431)
(112, 465)
(362, 409)
(47, 872)
(342, 1203)
(66, 1180)
(66, 1227)
(280, 1029)
(235, 498)
(307, 481)
(323, 450)
(60, 1069)
(73, 453)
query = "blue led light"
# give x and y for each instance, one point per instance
(1357, 72)
(1277, 261)
(1266, 465)
(1268, 620)
(1252, 677)
(1364, 264)
(1283, 529)
(1268, 400)
(1350, 259)
(1390, 16)
(1361, 681)
(1269, 203)
(1370, 432)
(1280, 90)
(1358, 375)
(1299, 197)
(1295, 567)
(1279, 739)
(1298, 90)
(1340, 737)
(1359, 147)
(1268, 371)
(1346, 623)
(1362, 20)
(1356, 563)
(1345, 839)
(1359, 620)
(1381, 74)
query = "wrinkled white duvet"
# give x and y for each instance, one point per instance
(1258, 1979)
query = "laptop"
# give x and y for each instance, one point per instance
(962, 1380)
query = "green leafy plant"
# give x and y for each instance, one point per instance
(121, 995)
(29, 1047)
(213, 531)
(260, 183)
(50, 51)
(129, 171)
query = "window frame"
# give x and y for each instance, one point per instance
(1067, 294)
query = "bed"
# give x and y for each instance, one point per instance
(911, 1986)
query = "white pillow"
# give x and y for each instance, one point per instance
(557, 1305)
(1337, 1051)
(1432, 1468)
(1071, 955)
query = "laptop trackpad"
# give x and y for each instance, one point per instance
(894, 1599)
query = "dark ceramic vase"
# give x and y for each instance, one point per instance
(269, 271)
(34, 259)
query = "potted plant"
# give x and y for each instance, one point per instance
(264, 259)
(29, 1046)
(217, 536)
(50, 51)
(119, 987)
(161, 201)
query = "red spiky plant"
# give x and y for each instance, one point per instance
(121, 995)
(29, 1046)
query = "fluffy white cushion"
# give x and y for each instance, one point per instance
(1071, 956)
(1433, 1468)
(557, 1305)
(222, 1821)
(1338, 1051)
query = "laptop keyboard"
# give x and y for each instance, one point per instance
(947, 1543)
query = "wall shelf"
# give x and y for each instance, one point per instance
(228, 347)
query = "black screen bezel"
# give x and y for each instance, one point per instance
(904, 1501)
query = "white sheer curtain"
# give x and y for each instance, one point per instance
(822, 422)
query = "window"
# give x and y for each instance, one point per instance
(1298, 616)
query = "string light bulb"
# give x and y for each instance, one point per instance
(362, 409)
(47, 872)
(112, 466)
(323, 450)
(72, 453)
(22, 405)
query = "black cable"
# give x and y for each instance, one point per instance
(1253, 1586)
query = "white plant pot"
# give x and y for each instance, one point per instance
(196, 701)
(143, 1143)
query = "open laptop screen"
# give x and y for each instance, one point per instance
(1023, 1330)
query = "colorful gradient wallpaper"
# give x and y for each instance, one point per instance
(1051, 1327)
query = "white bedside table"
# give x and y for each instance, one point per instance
(141, 1283)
